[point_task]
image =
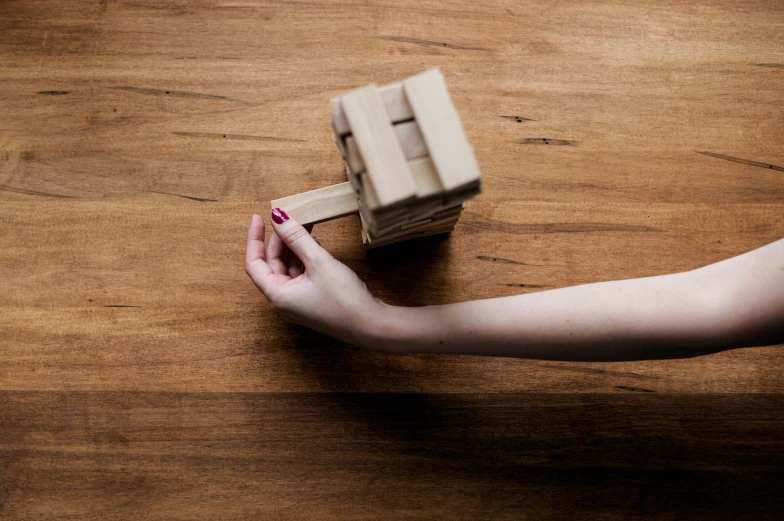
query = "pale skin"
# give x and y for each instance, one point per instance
(738, 302)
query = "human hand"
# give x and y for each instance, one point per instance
(308, 286)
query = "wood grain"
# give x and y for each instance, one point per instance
(257, 456)
(143, 376)
(322, 204)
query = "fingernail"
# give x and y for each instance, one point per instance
(279, 216)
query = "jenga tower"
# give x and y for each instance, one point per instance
(409, 164)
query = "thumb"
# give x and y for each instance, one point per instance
(295, 236)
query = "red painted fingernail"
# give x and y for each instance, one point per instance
(279, 216)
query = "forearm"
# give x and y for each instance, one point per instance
(657, 317)
(734, 303)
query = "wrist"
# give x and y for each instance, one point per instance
(386, 328)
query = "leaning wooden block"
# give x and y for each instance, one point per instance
(320, 205)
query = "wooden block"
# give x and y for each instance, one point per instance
(385, 163)
(390, 222)
(428, 224)
(425, 177)
(435, 210)
(417, 224)
(320, 205)
(440, 125)
(368, 194)
(375, 226)
(445, 221)
(408, 135)
(381, 230)
(395, 103)
(380, 219)
(449, 211)
(367, 217)
(370, 243)
(362, 224)
(364, 229)
(341, 142)
(354, 180)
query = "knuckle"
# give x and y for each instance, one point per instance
(297, 234)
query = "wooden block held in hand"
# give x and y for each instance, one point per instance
(320, 205)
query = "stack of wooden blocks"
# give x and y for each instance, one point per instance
(409, 164)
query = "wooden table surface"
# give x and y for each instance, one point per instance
(142, 376)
